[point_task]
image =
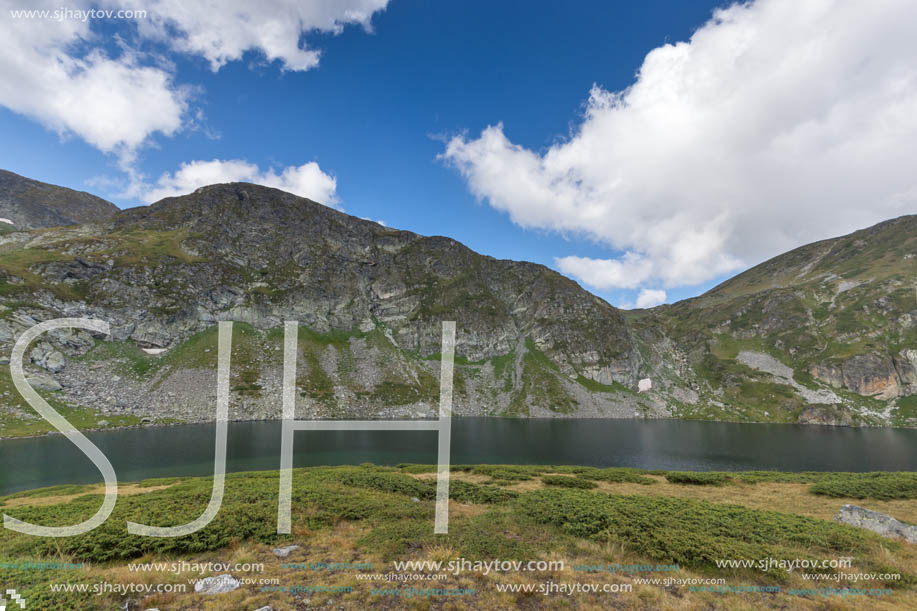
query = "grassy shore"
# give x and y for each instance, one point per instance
(575, 515)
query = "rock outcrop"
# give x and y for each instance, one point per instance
(880, 523)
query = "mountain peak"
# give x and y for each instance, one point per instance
(32, 204)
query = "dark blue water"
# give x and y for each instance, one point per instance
(651, 444)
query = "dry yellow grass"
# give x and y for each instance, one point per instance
(37, 501)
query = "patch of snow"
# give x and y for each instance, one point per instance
(3, 220)
(154, 350)
(644, 385)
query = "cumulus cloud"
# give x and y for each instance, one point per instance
(221, 31)
(650, 297)
(777, 124)
(628, 272)
(58, 71)
(307, 180)
(114, 104)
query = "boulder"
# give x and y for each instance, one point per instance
(283, 552)
(880, 523)
(47, 357)
(219, 584)
(40, 380)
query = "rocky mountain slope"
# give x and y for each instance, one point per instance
(370, 301)
(30, 204)
(826, 333)
(823, 334)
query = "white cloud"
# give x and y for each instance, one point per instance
(629, 272)
(222, 30)
(306, 180)
(114, 104)
(57, 72)
(777, 124)
(650, 297)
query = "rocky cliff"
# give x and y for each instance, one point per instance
(824, 334)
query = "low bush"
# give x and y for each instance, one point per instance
(563, 481)
(320, 497)
(617, 475)
(882, 486)
(698, 478)
(690, 532)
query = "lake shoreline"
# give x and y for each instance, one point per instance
(154, 425)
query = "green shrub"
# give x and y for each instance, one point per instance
(690, 532)
(882, 486)
(320, 498)
(617, 475)
(508, 474)
(698, 478)
(562, 481)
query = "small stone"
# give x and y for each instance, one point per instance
(415, 499)
(102, 423)
(265, 608)
(221, 584)
(283, 552)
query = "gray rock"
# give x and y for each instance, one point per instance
(220, 584)
(283, 552)
(47, 357)
(7, 333)
(265, 608)
(40, 380)
(880, 523)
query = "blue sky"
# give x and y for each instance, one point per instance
(384, 102)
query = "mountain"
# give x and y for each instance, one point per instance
(30, 204)
(824, 334)
(370, 301)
